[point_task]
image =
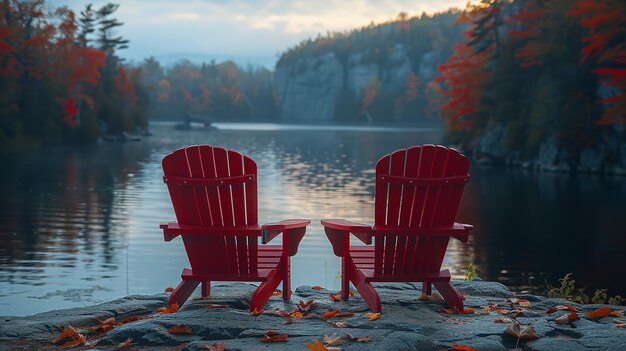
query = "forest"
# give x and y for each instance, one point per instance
(511, 77)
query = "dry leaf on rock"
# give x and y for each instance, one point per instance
(566, 318)
(180, 329)
(528, 332)
(372, 316)
(316, 345)
(134, 319)
(503, 320)
(169, 289)
(335, 340)
(330, 313)
(457, 347)
(170, 309)
(335, 297)
(317, 287)
(599, 313)
(124, 344)
(274, 336)
(217, 347)
(340, 324)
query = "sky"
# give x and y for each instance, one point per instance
(254, 30)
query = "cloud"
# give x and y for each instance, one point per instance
(246, 27)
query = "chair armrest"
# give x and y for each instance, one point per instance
(459, 231)
(173, 229)
(294, 230)
(337, 231)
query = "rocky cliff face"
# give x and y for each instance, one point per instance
(310, 88)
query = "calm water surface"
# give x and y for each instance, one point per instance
(79, 225)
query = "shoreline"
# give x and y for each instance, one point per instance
(406, 322)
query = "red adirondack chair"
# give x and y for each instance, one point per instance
(418, 191)
(214, 193)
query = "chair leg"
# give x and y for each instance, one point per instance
(345, 279)
(367, 291)
(183, 291)
(427, 288)
(450, 294)
(206, 288)
(286, 275)
(265, 290)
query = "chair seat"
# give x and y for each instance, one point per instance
(364, 260)
(268, 259)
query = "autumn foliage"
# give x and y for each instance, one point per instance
(537, 69)
(55, 87)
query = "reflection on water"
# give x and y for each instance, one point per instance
(80, 225)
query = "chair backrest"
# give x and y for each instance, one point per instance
(214, 187)
(416, 187)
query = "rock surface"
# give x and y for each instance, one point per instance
(405, 324)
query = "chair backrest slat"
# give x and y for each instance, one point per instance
(199, 201)
(416, 187)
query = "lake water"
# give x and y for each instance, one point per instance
(79, 225)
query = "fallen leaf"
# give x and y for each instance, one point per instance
(468, 310)
(335, 297)
(274, 336)
(305, 306)
(340, 324)
(296, 314)
(256, 312)
(457, 347)
(277, 293)
(516, 313)
(599, 313)
(566, 318)
(105, 325)
(344, 314)
(372, 316)
(317, 287)
(335, 340)
(69, 332)
(217, 347)
(502, 311)
(316, 345)
(516, 330)
(134, 319)
(180, 329)
(503, 320)
(169, 289)
(330, 313)
(124, 344)
(213, 305)
(170, 309)
(563, 307)
(617, 313)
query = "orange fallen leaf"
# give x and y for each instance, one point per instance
(372, 316)
(180, 329)
(468, 310)
(316, 345)
(170, 309)
(457, 347)
(599, 313)
(296, 314)
(305, 306)
(134, 319)
(566, 318)
(105, 325)
(75, 337)
(274, 336)
(335, 297)
(217, 347)
(330, 313)
(344, 314)
(256, 312)
(277, 293)
(213, 305)
(317, 287)
(169, 289)
(617, 313)
(503, 320)
(124, 344)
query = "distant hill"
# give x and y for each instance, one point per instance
(379, 73)
(168, 60)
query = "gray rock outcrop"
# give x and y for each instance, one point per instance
(405, 324)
